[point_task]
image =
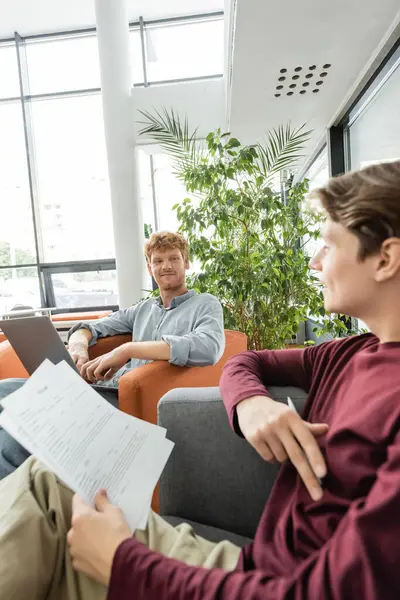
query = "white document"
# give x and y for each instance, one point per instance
(88, 443)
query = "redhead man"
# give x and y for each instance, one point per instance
(179, 326)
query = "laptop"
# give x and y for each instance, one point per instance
(34, 339)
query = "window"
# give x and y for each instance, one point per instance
(19, 288)
(374, 132)
(144, 166)
(72, 173)
(56, 234)
(63, 64)
(184, 50)
(9, 80)
(169, 191)
(318, 175)
(85, 289)
(136, 56)
(318, 172)
(17, 242)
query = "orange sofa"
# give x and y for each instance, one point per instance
(141, 389)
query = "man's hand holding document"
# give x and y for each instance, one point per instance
(85, 441)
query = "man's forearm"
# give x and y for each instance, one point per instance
(149, 350)
(81, 337)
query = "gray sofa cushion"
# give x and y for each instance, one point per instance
(213, 534)
(213, 476)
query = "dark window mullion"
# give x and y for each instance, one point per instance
(336, 151)
(49, 290)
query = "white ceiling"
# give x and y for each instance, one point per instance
(47, 16)
(271, 36)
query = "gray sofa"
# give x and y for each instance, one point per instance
(214, 479)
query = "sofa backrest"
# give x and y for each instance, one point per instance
(213, 476)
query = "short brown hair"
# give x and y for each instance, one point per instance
(367, 203)
(165, 240)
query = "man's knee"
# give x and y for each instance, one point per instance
(12, 454)
(8, 386)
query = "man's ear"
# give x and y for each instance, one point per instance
(149, 269)
(187, 264)
(388, 260)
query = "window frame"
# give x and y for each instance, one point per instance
(44, 269)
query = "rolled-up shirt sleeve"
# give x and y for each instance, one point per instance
(119, 322)
(205, 344)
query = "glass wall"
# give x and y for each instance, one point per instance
(9, 83)
(56, 236)
(72, 178)
(62, 64)
(318, 172)
(372, 134)
(54, 189)
(185, 50)
(374, 131)
(318, 175)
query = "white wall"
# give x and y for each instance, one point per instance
(203, 102)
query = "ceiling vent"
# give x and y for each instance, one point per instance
(301, 80)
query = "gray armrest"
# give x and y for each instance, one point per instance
(213, 476)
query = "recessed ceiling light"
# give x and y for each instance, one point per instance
(327, 66)
(297, 69)
(277, 95)
(292, 85)
(279, 87)
(315, 91)
(283, 71)
(309, 75)
(319, 83)
(306, 84)
(323, 74)
(312, 67)
(296, 77)
(289, 94)
(282, 79)
(303, 91)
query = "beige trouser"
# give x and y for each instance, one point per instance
(35, 515)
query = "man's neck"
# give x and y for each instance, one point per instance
(168, 295)
(386, 333)
(386, 323)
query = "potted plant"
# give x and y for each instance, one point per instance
(249, 238)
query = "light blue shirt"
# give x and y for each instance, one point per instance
(193, 326)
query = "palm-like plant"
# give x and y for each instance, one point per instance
(173, 136)
(281, 151)
(244, 237)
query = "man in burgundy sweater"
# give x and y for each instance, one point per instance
(331, 527)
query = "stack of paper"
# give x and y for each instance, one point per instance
(88, 443)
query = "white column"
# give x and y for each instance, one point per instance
(116, 82)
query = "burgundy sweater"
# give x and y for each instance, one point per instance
(345, 546)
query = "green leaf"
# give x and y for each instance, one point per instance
(282, 150)
(233, 143)
(166, 129)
